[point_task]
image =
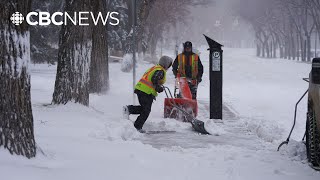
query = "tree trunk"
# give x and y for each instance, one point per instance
(315, 45)
(303, 49)
(75, 45)
(259, 43)
(264, 48)
(281, 52)
(308, 46)
(143, 12)
(258, 49)
(265, 45)
(294, 48)
(16, 120)
(287, 48)
(99, 68)
(271, 49)
(297, 47)
(292, 45)
(275, 44)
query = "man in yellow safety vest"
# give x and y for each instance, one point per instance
(147, 89)
(188, 65)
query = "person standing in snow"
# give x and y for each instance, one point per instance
(188, 65)
(147, 90)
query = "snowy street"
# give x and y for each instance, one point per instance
(95, 142)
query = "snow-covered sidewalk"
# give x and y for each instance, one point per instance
(96, 143)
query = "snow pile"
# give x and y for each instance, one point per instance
(161, 124)
(117, 130)
(266, 130)
(295, 150)
(127, 63)
(213, 128)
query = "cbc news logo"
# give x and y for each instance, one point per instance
(17, 18)
(64, 18)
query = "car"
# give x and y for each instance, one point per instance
(313, 116)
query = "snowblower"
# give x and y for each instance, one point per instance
(182, 99)
(182, 107)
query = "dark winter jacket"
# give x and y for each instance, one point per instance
(188, 68)
(157, 76)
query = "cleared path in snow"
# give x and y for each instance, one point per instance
(235, 134)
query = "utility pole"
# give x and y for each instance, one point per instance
(306, 50)
(176, 33)
(134, 46)
(161, 46)
(315, 44)
(176, 48)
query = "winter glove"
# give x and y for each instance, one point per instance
(159, 89)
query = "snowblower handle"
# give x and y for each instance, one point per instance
(165, 90)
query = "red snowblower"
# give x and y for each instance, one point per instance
(182, 107)
(183, 99)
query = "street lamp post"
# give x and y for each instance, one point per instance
(134, 46)
(315, 45)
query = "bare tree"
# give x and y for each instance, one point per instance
(259, 14)
(314, 5)
(16, 120)
(164, 15)
(75, 45)
(142, 12)
(299, 13)
(284, 24)
(157, 22)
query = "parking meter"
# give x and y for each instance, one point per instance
(216, 78)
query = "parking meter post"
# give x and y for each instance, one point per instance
(216, 78)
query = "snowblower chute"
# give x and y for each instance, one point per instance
(182, 107)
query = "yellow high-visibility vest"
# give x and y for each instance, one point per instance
(194, 61)
(145, 84)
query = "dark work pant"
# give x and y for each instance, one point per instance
(143, 110)
(193, 89)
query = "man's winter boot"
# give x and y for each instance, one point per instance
(141, 130)
(125, 112)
